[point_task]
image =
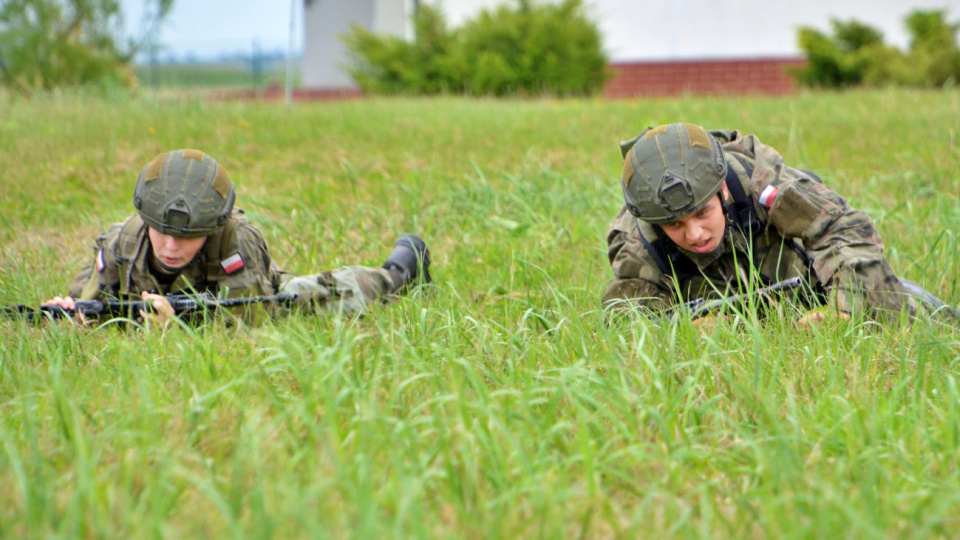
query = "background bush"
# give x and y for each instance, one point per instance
(856, 55)
(47, 44)
(526, 49)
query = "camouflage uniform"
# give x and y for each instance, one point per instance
(807, 230)
(233, 262)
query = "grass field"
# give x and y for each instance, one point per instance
(499, 403)
(190, 76)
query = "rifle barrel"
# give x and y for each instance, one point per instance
(181, 304)
(700, 307)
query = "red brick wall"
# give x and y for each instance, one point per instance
(668, 78)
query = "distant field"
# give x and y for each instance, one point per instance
(498, 403)
(211, 75)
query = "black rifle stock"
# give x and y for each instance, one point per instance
(700, 307)
(181, 304)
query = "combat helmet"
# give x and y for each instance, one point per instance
(184, 193)
(670, 171)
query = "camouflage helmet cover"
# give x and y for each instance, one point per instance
(184, 193)
(671, 171)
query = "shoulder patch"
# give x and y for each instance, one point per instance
(101, 264)
(232, 264)
(768, 196)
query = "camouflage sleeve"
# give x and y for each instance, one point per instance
(259, 275)
(845, 248)
(347, 290)
(635, 277)
(83, 284)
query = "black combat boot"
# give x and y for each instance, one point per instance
(409, 263)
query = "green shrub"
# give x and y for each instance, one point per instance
(855, 55)
(528, 49)
(392, 65)
(933, 47)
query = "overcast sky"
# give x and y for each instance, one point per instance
(633, 29)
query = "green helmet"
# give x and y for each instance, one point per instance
(184, 193)
(670, 171)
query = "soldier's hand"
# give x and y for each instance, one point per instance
(65, 303)
(708, 321)
(162, 310)
(815, 318)
(68, 304)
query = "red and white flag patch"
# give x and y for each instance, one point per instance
(768, 196)
(232, 263)
(101, 263)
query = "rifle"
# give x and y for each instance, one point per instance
(700, 307)
(182, 304)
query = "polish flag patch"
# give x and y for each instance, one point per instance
(101, 263)
(768, 196)
(232, 263)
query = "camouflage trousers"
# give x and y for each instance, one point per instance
(348, 290)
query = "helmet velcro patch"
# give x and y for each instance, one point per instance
(154, 168)
(221, 182)
(653, 132)
(698, 136)
(627, 171)
(197, 155)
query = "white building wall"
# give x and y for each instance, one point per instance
(711, 29)
(391, 17)
(633, 30)
(326, 21)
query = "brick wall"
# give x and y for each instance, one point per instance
(749, 76)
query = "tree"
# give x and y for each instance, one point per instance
(843, 59)
(933, 47)
(45, 44)
(526, 49)
(856, 54)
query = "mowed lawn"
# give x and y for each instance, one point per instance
(499, 402)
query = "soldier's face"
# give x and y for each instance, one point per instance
(701, 231)
(172, 251)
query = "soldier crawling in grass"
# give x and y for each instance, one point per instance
(712, 214)
(187, 237)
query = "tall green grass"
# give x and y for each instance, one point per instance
(499, 402)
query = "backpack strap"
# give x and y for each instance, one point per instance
(741, 210)
(813, 175)
(669, 259)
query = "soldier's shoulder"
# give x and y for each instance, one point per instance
(623, 221)
(241, 232)
(133, 225)
(629, 243)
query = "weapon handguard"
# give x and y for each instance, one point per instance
(182, 304)
(700, 307)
